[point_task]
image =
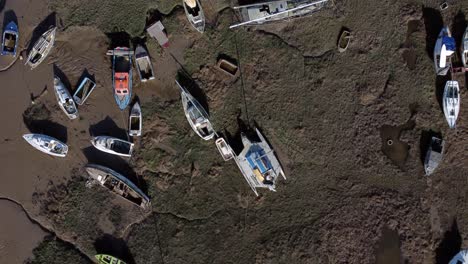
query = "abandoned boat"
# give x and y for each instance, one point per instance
(83, 91)
(47, 144)
(117, 184)
(135, 121)
(451, 102)
(433, 155)
(224, 149)
(258, 163)
(143, 63)
(10, 39)
(158, 32)
(108, 259)
(113, 145)
(443, 51)
(41, 48)
(343, 41)
(64, 99)
(195, 15)
(460, 258)
(260, 13)
(122, 75)
(196, 115)
(465, 49)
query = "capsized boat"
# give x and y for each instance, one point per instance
(451, 102)
(258, 163)
(465, 49)
(259, 13)
(443, 51)
(196, 115)
(64, 99)
(83, 91)
(41, 48)
(460, 258)
(135, 121)
(433, 155)
(343, 41)
(224, 149)
(108, 259)
(122, 75)
(47, 144)
(118, 184)
(143, 62)
(195, 14)
(113, 145)
(10, 39)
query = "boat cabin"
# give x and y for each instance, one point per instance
(121, 83)
(10, 43)
(157, 31)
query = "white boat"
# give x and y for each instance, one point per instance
(443, 51)
(64, 99)
(143, 63)
(196, 115)
(434, 155)
(83, 91)
(260, 13)
(195, 14)
(47, 144)
(118, 184)
(113, 145)
(259, 164)
(224, 149)
(465, 49)
(451, 102)
(460, 258)
(135, 121)
(41, 48)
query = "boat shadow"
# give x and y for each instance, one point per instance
(118, 39)
(440, 87)
(46, 24)
(47, 127)
(114, 246)
(59, 73)
(192, 87)
(108, 127)
(433, 23)
(425, 143)
(450, 244)
(2, 5)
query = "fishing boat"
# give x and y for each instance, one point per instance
(196, 115)
(10, 39)
(195, 14)
(451, 102)
(343, 41)
(41, 48)
(47, 144)
(224, 149)
(108, 259)
(118, 184)
(113, 145)
(135, 121)
(143, 63)
(260, 13)
(443, 51)
(83, 91)
(460, 258)
(465, 49)
(258, 163)
(64, 99)
(433, 155)
(122, 75)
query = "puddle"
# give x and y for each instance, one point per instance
(392, 146)
(388, 248)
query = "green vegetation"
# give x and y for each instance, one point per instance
(140, 237)
(54, 251)
(110, 15)
(36, 112)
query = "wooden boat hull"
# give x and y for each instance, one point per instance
(195, 16)
(343, 41)
(122, 66)
(451, 102)
(144, 65)
(135, 121)
(84, 90)
(64, 99)
(10, 39)
(113, 146)
(41, 48)
(47, 144)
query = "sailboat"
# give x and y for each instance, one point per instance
(465, 49)
(195, 14)
(443, 51)
(260, 13)
(451, 102)
(460, 258)
(41, 48)
(64, 99)
(196, 115)
(47, 144)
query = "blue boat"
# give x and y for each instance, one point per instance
(122, 75)
(10, 39)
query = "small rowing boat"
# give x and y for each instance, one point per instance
(10, 39)
(135, 121)
(64, 99)
(47, 144)
(143, 63)
(113, 145)
(83, 91)
(41, 48)
(343, 41)
(433, 155)
(224, 149)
